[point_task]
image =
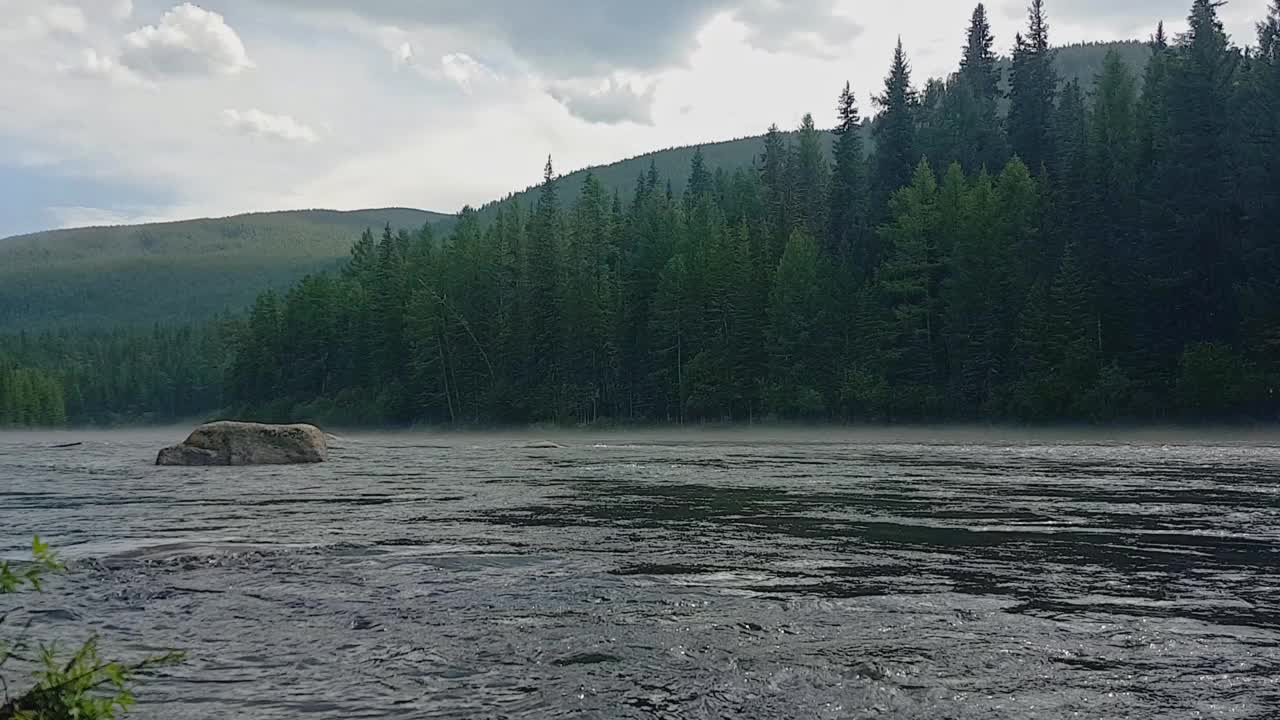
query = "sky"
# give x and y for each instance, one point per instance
(122, 111)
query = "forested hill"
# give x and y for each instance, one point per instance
(193, 270)
(1081, 62)
(1084, 256)
(174, 272)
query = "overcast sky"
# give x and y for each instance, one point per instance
(128, 110)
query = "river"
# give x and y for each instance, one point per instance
(799, 574)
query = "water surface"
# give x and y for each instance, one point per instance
(676, 575)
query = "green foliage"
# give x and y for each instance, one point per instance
(79, 686)
(172, 273)
(105, 378)
(1033, 81)
(928, 273)
(795, 323)
(1213, 381)
(895, 131)
(30, 398)
(43, 562)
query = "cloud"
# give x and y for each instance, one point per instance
(92, 64)
(403, 54)
(576, 38)
(455, 68)
(188, 40)
(610, 104)
(801, 27)
(464, 70)
(258, 124)
(58, 20)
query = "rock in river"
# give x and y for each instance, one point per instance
(237, 443)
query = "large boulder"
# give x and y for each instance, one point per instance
(237, 443)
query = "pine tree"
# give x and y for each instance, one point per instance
(1033, 89)
(897, 153)
(1197, 181)
(974, 104)
(848, 239)
(1153, 127)
(910, 282)
(1108, 251)
(809, 181)
(985, 289)
(700, 181)
(1070, 140)
(795, 306)
(978, 65)
(777, 190)
(1257, 165)
(543, 320)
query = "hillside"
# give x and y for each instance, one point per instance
(173, 272)
(1075, 62)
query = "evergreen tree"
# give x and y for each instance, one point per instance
(848, 237)
(910, 283)
(775, 179)
(543, 317)
(1197, 183)
(1033, 89)
(1108, 251)
(809, 181)
(1257, 114)
(974, 100)
(794, 320)
(897, 152)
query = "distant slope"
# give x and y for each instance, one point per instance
(174, 272)
(1075, 62)
(672, 165)
(193, 270)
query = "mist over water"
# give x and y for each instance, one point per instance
(675, 574)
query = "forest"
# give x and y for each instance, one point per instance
(1016, 248)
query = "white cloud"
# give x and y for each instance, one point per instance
(465, 70)
(93, 64)
(58, 19)
(403, 54)
(609, 103)
(256, 123)
(188, 40)
(122, 9)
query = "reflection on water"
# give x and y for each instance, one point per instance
(831, 575)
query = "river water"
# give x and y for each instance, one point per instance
(677, 575)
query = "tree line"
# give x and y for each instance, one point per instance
(1091, 254)
(1047, 252)
(30, 397)
(114, 377)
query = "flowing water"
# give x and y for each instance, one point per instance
(685, 575)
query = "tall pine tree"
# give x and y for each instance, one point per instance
(1033, 89)
(897, 151)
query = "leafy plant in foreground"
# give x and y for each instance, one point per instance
(82, 686)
